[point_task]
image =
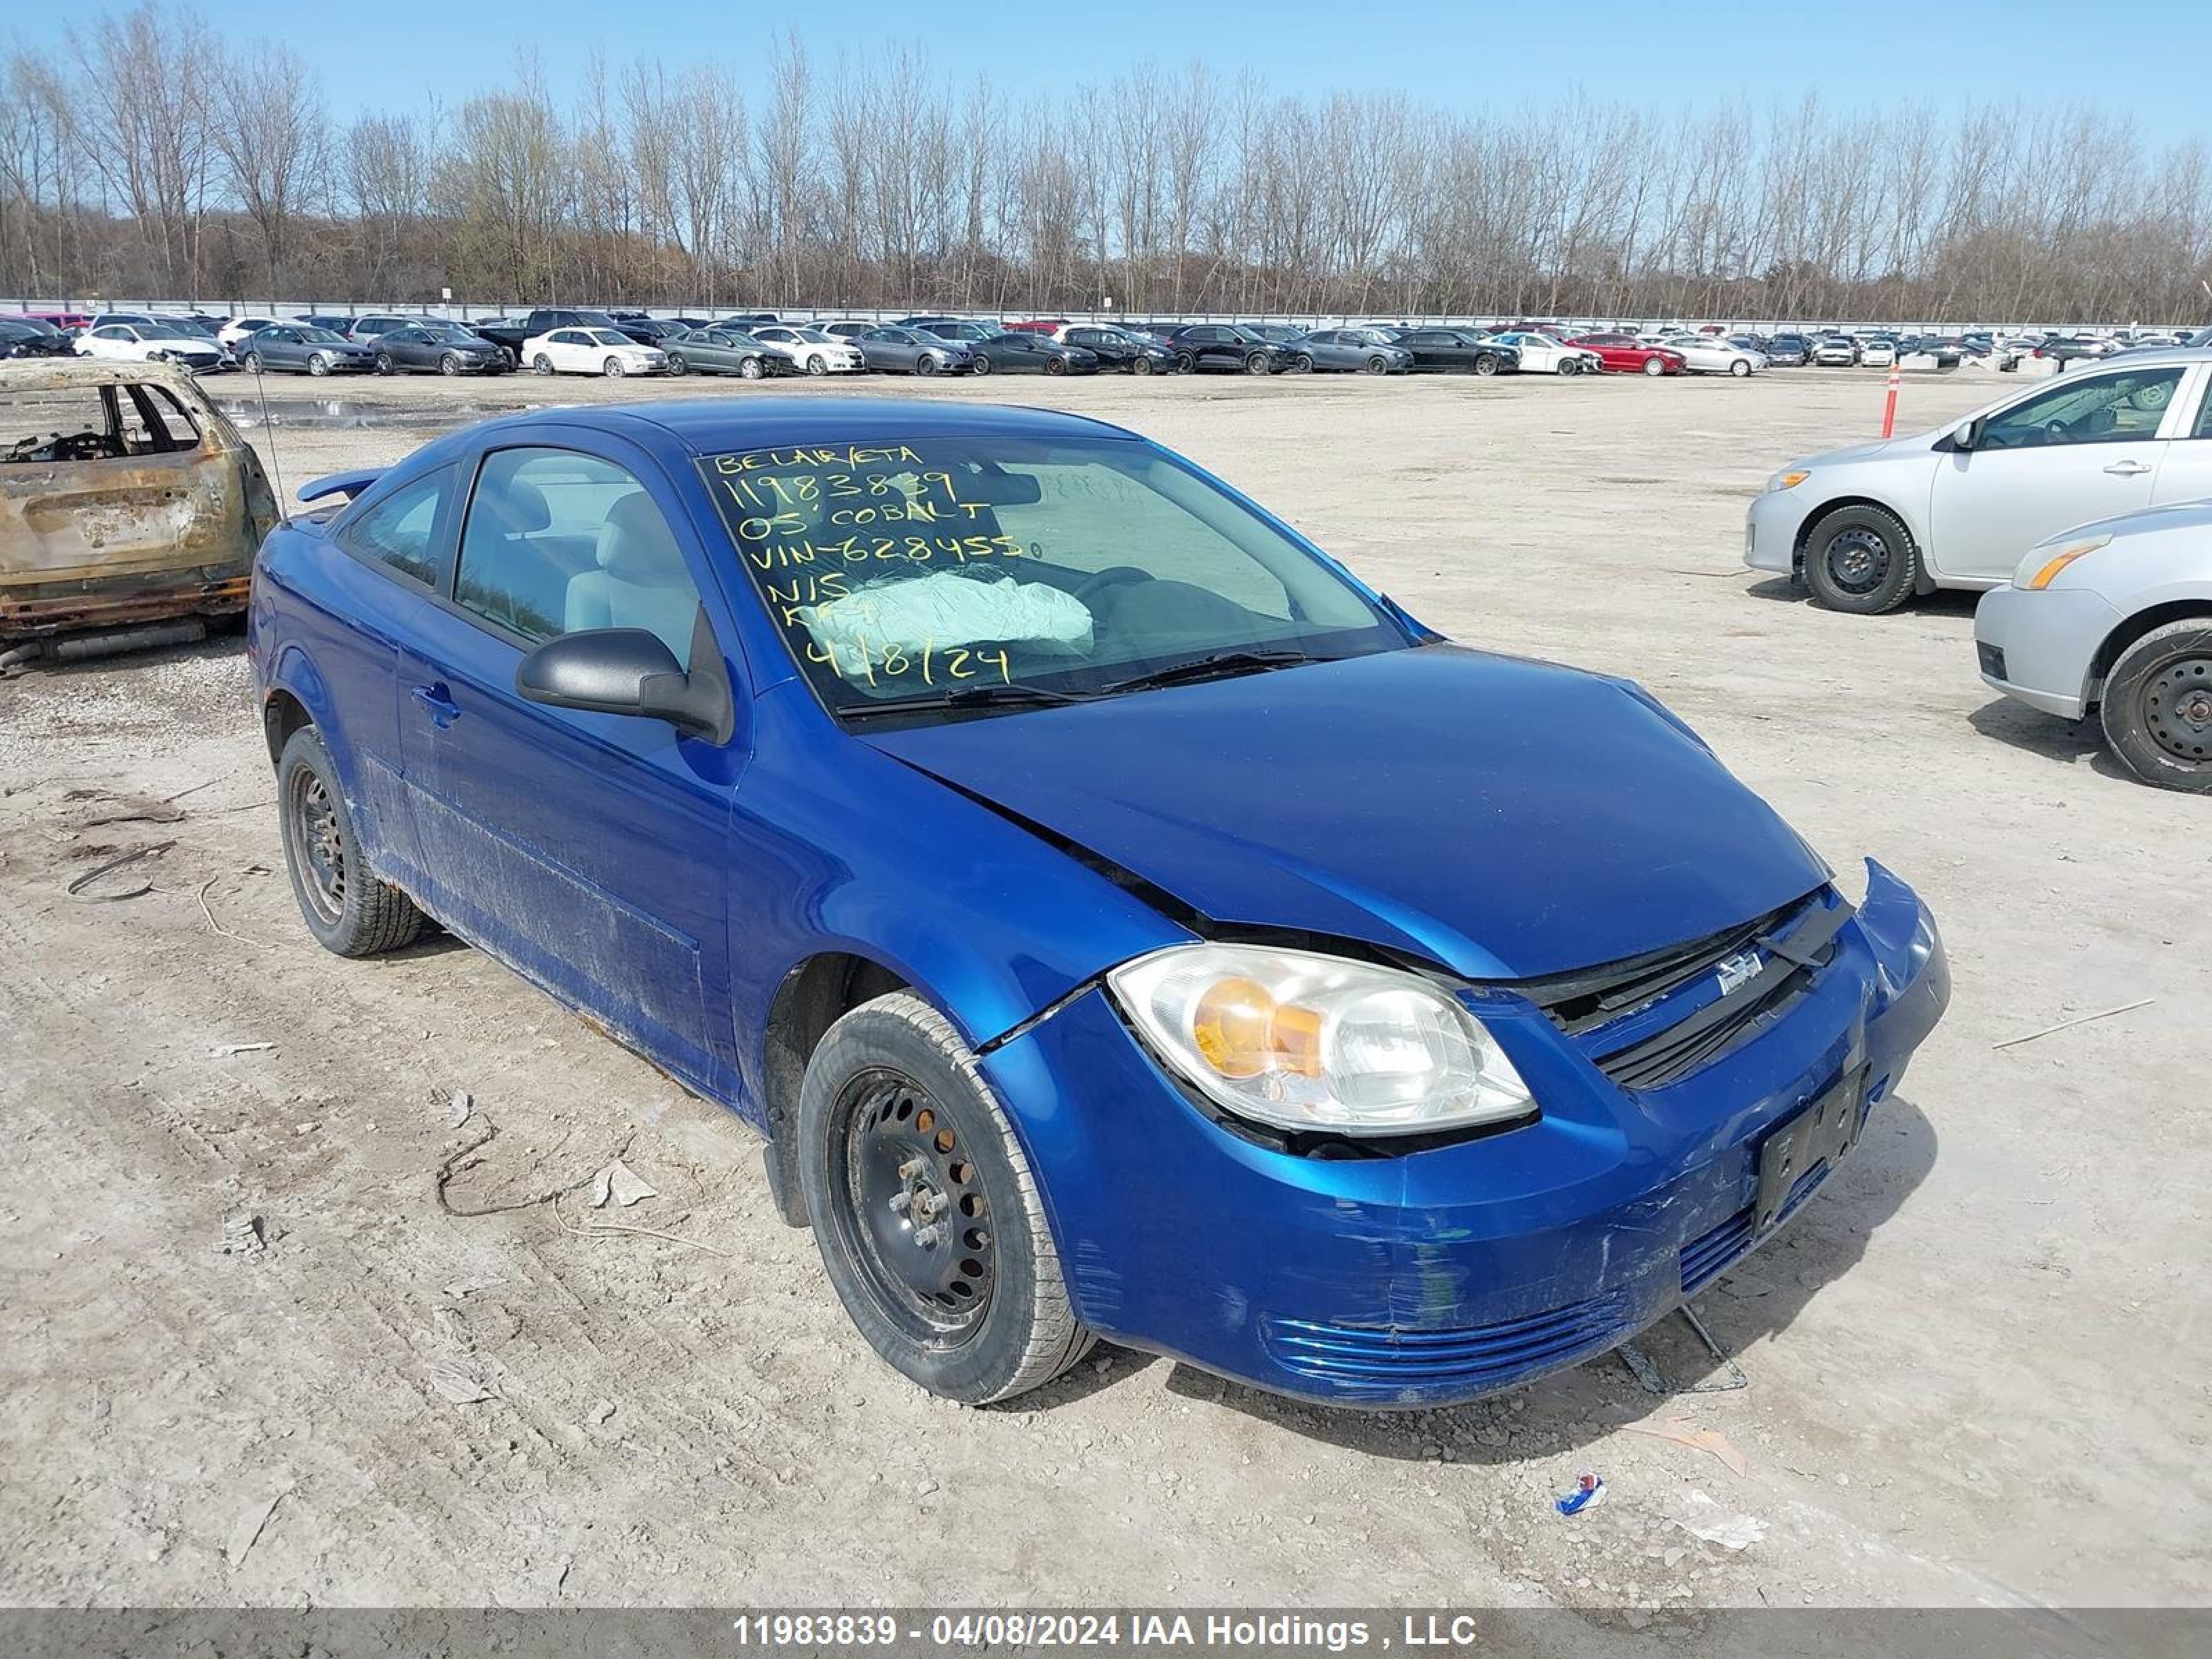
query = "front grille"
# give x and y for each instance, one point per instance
(1709, 1255)
(1382, 1361)
(1601, 1006)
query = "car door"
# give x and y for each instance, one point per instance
(589, 851)
(2085, 447)
(407, 347)
(2185, 472)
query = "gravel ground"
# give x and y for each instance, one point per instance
(1974, 1370)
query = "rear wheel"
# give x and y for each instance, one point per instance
(343, 904)
(541, 364)
(2157, 706)
(929, 1220)
(677, 365)
(1861, 560)
(1185, 363)
(982, 364)
(1302, 364)
(384, 365)
(253, 362)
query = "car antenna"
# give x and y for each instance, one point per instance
(275, 466)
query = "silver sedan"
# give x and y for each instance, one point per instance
(2114, 618)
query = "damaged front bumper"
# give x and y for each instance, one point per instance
(1444, 1274)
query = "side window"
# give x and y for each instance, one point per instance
(2090, 408)
(2203, 426)
(557, 542)
(398, 532)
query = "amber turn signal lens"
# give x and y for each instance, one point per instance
(1232, 1026)
(2043, 578)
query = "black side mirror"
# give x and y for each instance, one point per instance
(629, 671)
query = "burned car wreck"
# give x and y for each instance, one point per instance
(130, 509)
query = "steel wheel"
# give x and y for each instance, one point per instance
(911, 1208)
(319, 849)
(2177, 709)
(1857, 560)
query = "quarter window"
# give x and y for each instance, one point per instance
(400, 531)
(558, 542)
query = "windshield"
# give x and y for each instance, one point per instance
(815, 336)
(447, 333)
(597, 319)
(321, 337)
(608, 336)
(162, 331)
(1061, 568)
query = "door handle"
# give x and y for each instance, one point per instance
(2128, 469)
(444, 711)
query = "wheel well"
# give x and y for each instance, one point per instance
(812, 998)
(2117, 642)
(282, 716)
(1805, 530)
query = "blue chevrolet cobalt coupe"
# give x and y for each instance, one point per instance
(1118, 920)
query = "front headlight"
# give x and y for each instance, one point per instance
(1309, 1042)
(2041, 567)
(1787, 480)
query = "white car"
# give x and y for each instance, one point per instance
(1877, 354)
(1542, 354)
(155, 343)
(1835, 352)
(810, 349)
(1708, 353)
(238, 327)
(1866, 528)
(592, 351)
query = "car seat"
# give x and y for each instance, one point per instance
(641, 580)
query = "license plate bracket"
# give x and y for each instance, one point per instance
(1820, 1133)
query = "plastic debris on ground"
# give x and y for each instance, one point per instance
(619, 1184)
(1589, 1490)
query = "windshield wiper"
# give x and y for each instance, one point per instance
(1217, 665)
(967, 697)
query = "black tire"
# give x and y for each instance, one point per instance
(253, 362)
(925, 365)
(386, 365)
(2157, 706)
(1055, 365)
(1861, 560)
(1186, 363)
(1486, 364)
(449, 364)
(1378, 364)
(1140, 364)
(982, 364)
(345, 907)
(1257, 363)
(895, 1117)
(1301, 364)
(541, 364)
(751, 369)
(677, 365)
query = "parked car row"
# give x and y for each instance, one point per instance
(2080, 508)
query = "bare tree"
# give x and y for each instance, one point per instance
(268, 128)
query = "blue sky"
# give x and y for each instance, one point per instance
(2147, 57)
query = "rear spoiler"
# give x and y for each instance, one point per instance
(348, 484)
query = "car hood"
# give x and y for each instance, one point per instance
(1873, 451)
(1506, 818)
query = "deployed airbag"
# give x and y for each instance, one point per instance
(924, 612)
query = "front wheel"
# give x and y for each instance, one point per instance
(925, 365)
(1486, 364)
(1653, 367)
(930, 1222)
(449, 364)
(612, 368)
(1378, 364)
(2157, 707)
(1257, 363)
(677, 365)
(1739, 369)
(318, 364)
(817, 364)
(343, 902)
(541, 364)
(750, 368)
(1055, 365)
(1140, 365)
(1861, 560)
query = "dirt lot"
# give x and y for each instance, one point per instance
(1975, 1366)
